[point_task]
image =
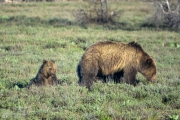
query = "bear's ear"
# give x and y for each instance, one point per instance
(44, 61)
(149, 61)
(152, 57)
(53, 61)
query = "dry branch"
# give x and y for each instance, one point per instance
(97, 11)
(165, 16)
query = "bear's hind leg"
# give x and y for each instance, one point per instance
(87, 80)
(89, 76)
(89, 71)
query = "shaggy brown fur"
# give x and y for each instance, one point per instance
(46, 74)
(115, 59)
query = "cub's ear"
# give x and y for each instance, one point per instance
(149, 61)
(53, 61)
(44, 61)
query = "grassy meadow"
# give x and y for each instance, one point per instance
(31, 32)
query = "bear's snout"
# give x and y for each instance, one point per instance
(153, 78)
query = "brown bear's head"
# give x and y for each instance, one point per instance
(48, 68)
(148, 68)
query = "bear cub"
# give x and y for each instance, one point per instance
(46, 74)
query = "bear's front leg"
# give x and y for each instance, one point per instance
(130, 75)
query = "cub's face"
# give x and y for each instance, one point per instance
(148, 69)
(49, 68)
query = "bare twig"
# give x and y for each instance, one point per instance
(99, 11)
(168, 7)
(165, 16)
(178, 7)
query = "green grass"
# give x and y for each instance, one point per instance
(31, 32)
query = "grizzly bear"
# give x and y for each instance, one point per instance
(115, 59)
(46, 74)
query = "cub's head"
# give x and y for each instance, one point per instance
(148, 68)
(48, 68)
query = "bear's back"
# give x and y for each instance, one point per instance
(107, 47)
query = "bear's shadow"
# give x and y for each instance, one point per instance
(116, 77)
(20, 84)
